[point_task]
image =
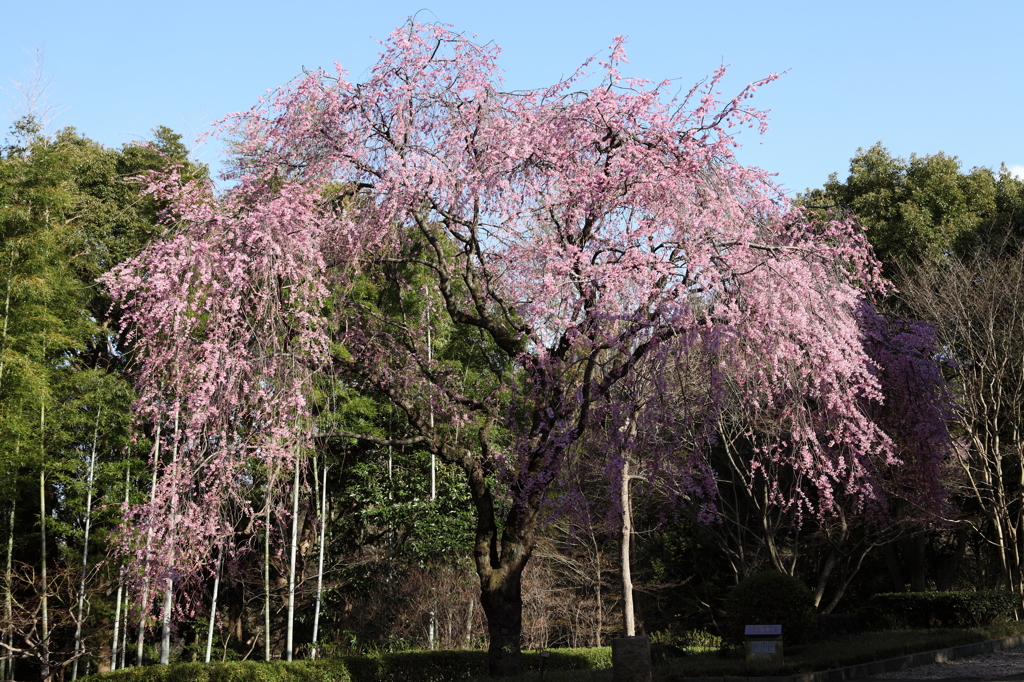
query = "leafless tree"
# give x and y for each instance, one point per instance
(978, 307)
(33, 109)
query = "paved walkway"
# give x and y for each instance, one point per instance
(999, 665)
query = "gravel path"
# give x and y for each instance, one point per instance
(999, 665)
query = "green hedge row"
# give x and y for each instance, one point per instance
(944, 609)
(233, 671)
(408, 666)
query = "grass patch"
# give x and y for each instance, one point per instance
(864, 648)
(806, 658)
(564, 665)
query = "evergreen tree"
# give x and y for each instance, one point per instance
(69, 210)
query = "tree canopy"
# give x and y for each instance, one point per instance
(925, 207)
(561, 237)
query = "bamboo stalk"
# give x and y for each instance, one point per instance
(291, 567)
(433, 457)
(320, 569)
(44, 606)
(7, 315)
(120, 587)
(144, 609)
(266, 582)
(124, 632)
(117, 621)
(85, 545)
(8, 628)
(213, 604)
(165, 626)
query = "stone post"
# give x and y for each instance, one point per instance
(631, 659)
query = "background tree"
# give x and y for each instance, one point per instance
(976, 305)
(934, 226)
(924, 208)
(69, 209)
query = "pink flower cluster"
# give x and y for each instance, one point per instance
(585, 231)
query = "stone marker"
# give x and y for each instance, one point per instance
(631, 659)
(764, 644)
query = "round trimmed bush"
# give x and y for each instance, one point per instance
(770, 598)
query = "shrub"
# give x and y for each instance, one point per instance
(690, 639)
(435, 666)
(943, 609)
(702, 639)
(233, 671)
(405, 666)
(770, 598)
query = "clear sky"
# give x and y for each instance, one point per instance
(919, 76)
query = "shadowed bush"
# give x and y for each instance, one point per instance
(772, 598)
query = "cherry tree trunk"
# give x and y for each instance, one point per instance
(502, 601)
(500, 561)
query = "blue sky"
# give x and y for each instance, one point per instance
(919, 76)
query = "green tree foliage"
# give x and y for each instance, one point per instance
(69, 210)
(925, 207)
(388, 487)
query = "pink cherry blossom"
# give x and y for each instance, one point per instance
(584, 231)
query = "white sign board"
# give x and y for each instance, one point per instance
(762, 647)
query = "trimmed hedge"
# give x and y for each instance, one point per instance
(770, 598)
(411, 666)
(944, 609)
(233, 671)
(437, 666)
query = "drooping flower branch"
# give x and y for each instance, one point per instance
(547, 243)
